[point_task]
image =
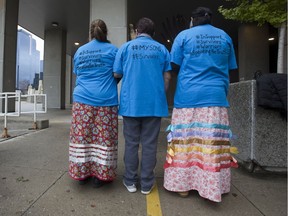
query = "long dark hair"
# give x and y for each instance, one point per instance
(201, 16)
(98, 30)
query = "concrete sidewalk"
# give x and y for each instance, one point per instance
(34, 181)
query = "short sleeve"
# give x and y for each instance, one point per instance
(167, 66)
(75, 62)
(232, 59)
(118, 63)
(177, 53)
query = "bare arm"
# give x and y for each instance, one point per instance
(175, 67)
(118, 77)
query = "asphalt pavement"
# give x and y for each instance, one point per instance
(34, 180)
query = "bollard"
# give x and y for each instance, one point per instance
(5, 133)
(35, 126)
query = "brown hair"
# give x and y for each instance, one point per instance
(98, 30)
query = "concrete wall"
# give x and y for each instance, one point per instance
(114, 14)
(55, 67)
(68, 82)
(8, 47)
(260, 134)
(253, 48)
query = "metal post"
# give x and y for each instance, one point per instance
(34, 113)
(5, 132)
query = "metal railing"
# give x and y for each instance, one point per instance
(18, 111)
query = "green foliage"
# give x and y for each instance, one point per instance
(260, 11)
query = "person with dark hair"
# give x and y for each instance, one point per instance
(201, 16)
(94, 128)
(199, 150)
(144, 65)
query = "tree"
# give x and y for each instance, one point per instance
(273, 12)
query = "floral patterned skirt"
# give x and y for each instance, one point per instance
(198, 154)
(93, 142)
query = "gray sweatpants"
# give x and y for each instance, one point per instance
(144, 130)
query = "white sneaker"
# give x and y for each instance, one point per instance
(146, 192)
(131, 188)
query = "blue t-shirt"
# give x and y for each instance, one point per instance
(205, 55)
(95, 84)
(142, 62)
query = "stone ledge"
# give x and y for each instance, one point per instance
(260, 134)
(42, 124)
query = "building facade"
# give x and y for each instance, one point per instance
(71, 24)
(27, 62)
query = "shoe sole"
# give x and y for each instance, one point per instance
(183, 194)
(83, 182)
(130, 190)
(97, 183)
(147, 192)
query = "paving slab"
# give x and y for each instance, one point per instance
(267, 191)
(34, 180)
(75, 199)
(21, 187)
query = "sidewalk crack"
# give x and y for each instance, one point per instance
(41, 195)
(248, 200)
